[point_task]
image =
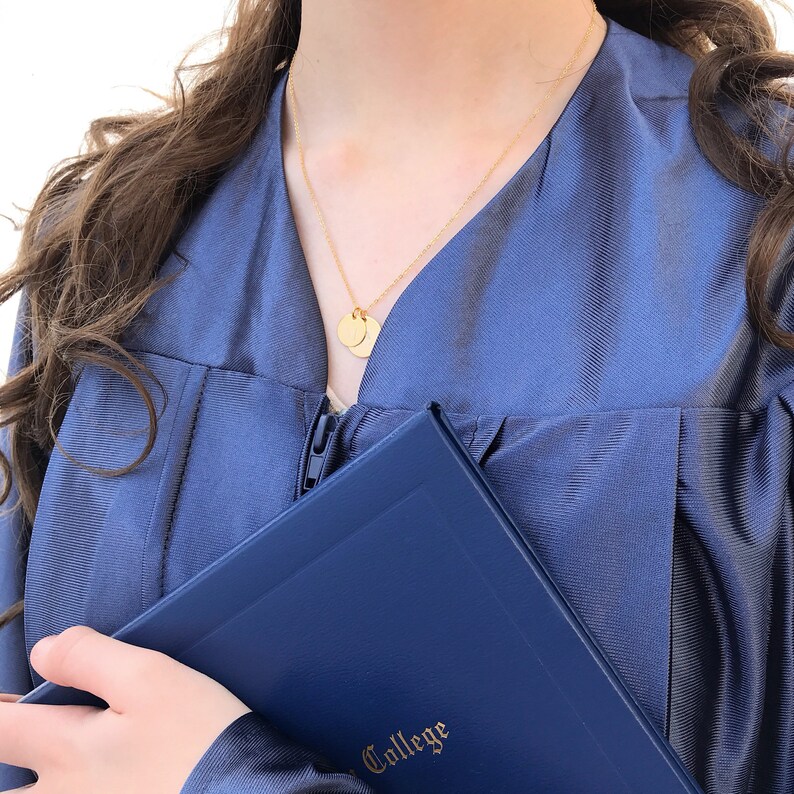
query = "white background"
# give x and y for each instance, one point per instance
(66, 63)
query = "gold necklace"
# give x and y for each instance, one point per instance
(357, 330)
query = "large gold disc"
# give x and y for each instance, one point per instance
(364, 348)
(351, 330)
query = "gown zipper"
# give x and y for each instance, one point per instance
(320, 444)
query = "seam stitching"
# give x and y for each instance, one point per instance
(178, 489)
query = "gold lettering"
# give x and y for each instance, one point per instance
(371, 760)
(432, 740)
(399, 749)
(407, 746)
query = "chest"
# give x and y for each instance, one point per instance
(363, 245)
(562, 350)
(594, 493)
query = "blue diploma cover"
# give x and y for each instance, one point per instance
(395, 619)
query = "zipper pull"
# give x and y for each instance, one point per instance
(318, 450)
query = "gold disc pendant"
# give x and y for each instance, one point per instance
(364, 348)
(351, 329)
(358, 332)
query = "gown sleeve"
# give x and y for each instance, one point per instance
(732, 657)
(14, 671)
(251, 756)
(731, 709)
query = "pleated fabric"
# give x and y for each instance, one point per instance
(587, 334)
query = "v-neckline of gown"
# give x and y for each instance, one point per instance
(313, 328)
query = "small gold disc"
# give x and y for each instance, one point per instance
(364, 348)
(351, 330)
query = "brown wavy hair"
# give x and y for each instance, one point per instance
(103, 221)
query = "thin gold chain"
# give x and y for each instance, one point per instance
(363, 312)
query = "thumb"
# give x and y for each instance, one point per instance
(83, 658)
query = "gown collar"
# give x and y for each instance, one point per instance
(454, 271)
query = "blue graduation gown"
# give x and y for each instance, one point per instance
(587, 333)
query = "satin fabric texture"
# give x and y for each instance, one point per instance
(587, 334)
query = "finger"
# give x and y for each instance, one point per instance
(82, 658)
(8, 698)
(29, 732)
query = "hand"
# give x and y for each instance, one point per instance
(162, 716)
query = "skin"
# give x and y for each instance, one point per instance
(148, 739)
(403, 106)
(368, 76)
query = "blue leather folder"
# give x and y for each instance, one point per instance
(396, 619)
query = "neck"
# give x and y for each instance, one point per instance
(460, 67)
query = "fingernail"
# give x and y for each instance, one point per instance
(39, 650)
(7, 697)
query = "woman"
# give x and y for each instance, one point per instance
(606, 320)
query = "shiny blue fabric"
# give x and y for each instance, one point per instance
(586, 332)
